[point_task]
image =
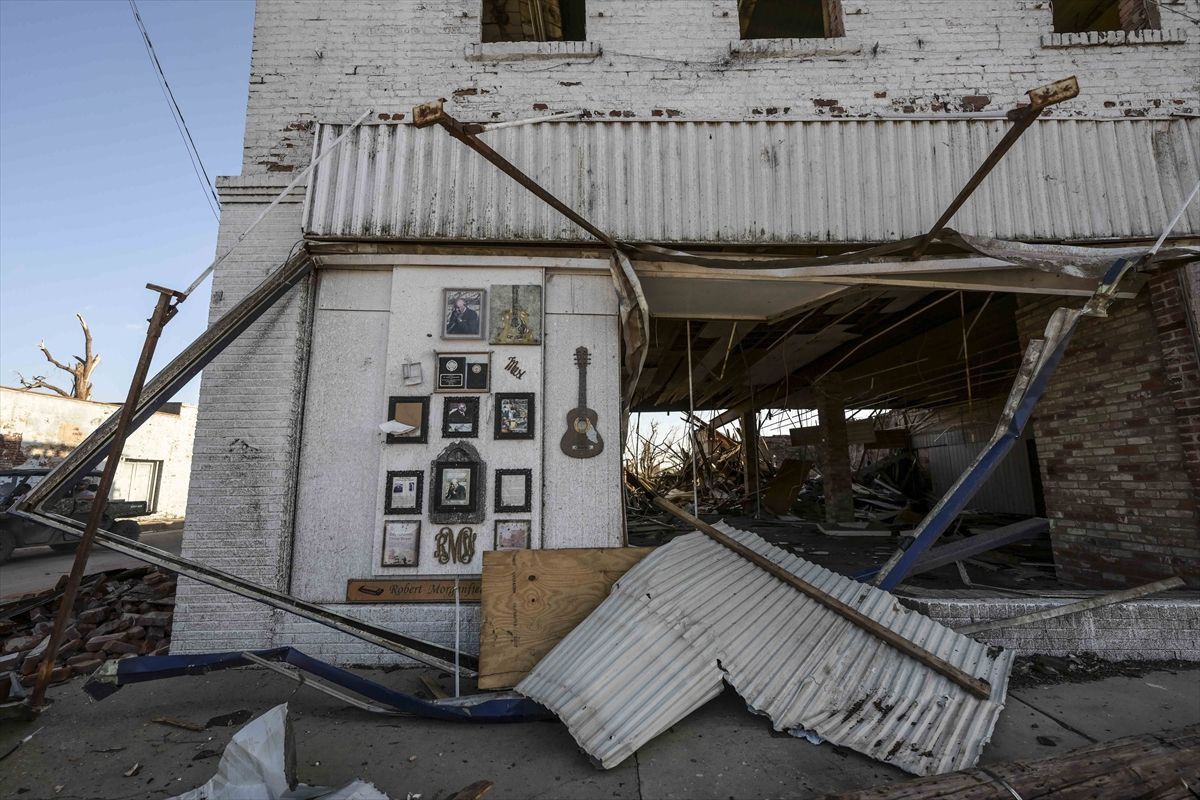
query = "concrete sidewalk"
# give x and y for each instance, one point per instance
(84, 748)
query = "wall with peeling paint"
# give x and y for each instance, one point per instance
(683, 58)
(49, 427)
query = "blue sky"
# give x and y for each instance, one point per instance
(97, 195)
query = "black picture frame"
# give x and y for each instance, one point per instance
(418, 493)
(499, 505)
(503, 418)
(412, 526)
(463, 373)
(422, 434)
(471, 407)
(474, 325)
(443, 474)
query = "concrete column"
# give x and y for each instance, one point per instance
(750, 458)
(835, 451)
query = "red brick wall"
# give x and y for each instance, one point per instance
(10, 451)
(1114, 460)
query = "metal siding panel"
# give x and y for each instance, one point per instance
(694, 614)
(760, 182)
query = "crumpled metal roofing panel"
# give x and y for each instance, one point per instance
(694, 614)
(759, 182)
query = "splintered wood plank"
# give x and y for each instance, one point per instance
(534, 598)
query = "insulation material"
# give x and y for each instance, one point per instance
(694, 615)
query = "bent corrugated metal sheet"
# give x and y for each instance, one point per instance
(694, 615)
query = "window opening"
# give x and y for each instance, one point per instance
(533, 21)
(790, 19)
(1082, 16)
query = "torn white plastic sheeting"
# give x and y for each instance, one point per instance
(693, 615)
(259, 763)
(397, 428)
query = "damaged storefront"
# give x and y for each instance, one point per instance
(433, 322)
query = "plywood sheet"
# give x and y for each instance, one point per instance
(534, 598)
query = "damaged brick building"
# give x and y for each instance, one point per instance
(737, 128)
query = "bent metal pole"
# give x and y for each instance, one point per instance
(168, 299)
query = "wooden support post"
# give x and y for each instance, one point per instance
(750, 459)
(835, 451)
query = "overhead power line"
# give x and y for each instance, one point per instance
(206, 184)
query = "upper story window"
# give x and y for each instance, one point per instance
(790, 19)
(533, 21)
(1082, 16)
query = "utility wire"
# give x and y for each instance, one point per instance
(206, 184)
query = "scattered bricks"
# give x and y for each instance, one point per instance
(60, 674)
(94, 616)
(7, 626)
(86, 667)
(160, 619)
(19, 643)
(84, 658)
(5, 685)
(85, 629)
(10, 661)
(153, 578)
(162, 650)
(97, 643)
(30, 665)
(118, 647)
(71, 633)
(134, 633)
(124, 622)
(43, 628)
(68, 648)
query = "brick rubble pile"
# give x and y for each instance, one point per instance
(117, 613)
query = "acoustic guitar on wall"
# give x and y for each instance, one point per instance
(582, 440)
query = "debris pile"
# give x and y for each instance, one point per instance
(118, 613)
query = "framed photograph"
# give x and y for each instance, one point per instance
(401, 543)
(514, 490)
(515, 314)
(456, 488)
(512, 534)
(514, 418)
(464, 372)
(460, 417)
(407, 420)
(462, 313)
(405, 489)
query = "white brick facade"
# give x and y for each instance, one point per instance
(330, 61)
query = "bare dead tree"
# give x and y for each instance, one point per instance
(80, 371)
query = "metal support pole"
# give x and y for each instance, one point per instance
(1040, 99)
(168, 299)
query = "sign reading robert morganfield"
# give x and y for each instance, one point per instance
(413, 590)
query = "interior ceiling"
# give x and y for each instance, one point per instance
(892, 347)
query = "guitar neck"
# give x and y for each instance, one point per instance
(582, 386)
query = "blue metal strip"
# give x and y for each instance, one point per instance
(152, 668)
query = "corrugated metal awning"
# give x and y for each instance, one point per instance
(759, 182)
(694, 614)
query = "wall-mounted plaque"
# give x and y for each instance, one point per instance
(514, 490)
(464, 372)
(403, 492)
(514, 415)
(407, 421)
(462, 313)
(457, 485)
(413, 590)
(460, 417)
(401, 543)
(513, 534)
(515, 314)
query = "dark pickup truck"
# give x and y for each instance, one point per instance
(77, 503)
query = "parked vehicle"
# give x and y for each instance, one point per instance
(76, 503)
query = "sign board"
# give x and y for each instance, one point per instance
(412, 590)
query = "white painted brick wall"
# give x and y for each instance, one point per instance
(333, 60)
(330, 61)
